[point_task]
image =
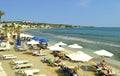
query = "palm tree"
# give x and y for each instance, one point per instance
(1, 14)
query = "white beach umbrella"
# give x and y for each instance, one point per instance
(33, 42)
(25, 35)
(29, 36)
(79, 56)
(75, 46)
(60, 43)
(56, 48)
(103, 53)
(8, 35)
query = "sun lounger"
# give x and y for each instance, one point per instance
(6, 47)
(22, 66)
(8, 56)
(41, 75)
(34, 71)
(4, 55)
(39, 54)
(3, 48)
(29, 72)
(99, 69)
(36, 48)
(15, 62)
(20, 48)
(110, 74)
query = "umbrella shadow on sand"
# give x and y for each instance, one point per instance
(27, 53)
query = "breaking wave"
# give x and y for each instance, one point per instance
(80, 39)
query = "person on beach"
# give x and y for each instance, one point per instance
(40, 51)
(69, 71)
(105, 69)
(103, 63)
(32, 47)
(44, 45)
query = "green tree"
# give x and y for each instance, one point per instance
(1, 14)
(18, 28)
(5, 29)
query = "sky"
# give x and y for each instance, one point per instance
(99, 13)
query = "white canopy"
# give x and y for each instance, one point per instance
(75, 46)
(33, 42)
(22, 35)
(79, 56)
(56, 48)
(25, 35)
(8, 35)
(60, 43)
(103, 53)
(29, 36)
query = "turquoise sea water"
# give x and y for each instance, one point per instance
(92, 39)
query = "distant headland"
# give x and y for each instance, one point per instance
(26, 24)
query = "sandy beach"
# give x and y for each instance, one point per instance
(51, 70)
(88, 30)
(36, 61)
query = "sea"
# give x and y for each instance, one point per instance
(92, 39)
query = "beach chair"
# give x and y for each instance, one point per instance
(28, 72)
(35, 47)
(5, 47)
(41, 75)
(8, 56)
(22, 73)
(110, 74)
(34, 71)
(22, 66)
(15, 62)
(31, 72)
(102, 74)
(39, 54)
(20, 48)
